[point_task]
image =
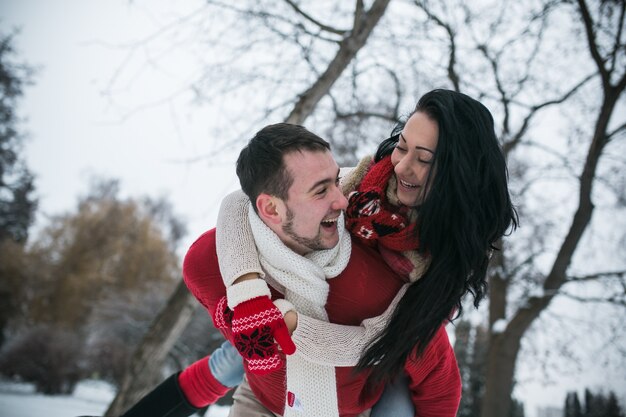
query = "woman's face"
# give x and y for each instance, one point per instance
(412, 158)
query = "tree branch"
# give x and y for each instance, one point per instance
(366, 114)
(358, 14)
(596, 276)
(616, 132)
(591, 40)
(618, 43)
(452, 74)
(316, 22)
(504, 99)
(618, 299)
(509, 145)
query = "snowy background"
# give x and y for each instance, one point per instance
(76, 131)
(91, 398)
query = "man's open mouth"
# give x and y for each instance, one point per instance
(328, 223)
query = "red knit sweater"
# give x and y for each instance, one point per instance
(364, 289)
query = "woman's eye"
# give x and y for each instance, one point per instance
(400, 149)
(425, 157)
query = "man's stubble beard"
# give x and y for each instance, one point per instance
(312, 244)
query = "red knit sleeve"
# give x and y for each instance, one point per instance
(199, 385)
(201, 272)
(434, 379)
(202, 277)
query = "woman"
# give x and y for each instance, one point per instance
(465, 211)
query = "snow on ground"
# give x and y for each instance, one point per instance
(89, 398)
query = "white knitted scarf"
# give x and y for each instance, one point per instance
(311, 388)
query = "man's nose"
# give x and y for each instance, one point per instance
(341, 202)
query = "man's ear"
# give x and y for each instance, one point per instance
(269, 208)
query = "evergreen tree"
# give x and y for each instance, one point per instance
(613, 408)
(572, 405)
(17, 204)
(517, 408)
(596, 405)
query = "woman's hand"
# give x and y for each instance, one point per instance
(291, 320)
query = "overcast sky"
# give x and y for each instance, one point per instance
(143, 132)
(137, 133)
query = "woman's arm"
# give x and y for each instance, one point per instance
(336, 344)
(248, 296)
(434, 378)
(236, 251)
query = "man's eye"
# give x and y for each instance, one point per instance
(337, 181)
(320, 192)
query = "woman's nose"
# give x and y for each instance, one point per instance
(402, 167)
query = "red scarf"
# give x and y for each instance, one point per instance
(374, 220)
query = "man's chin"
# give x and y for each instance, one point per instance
(332, 242)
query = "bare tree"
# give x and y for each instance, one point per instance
(504, 346)
(502, 60)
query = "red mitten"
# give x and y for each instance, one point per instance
(223, 316)
(256, 323)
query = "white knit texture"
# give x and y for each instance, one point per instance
(246, 290)
(284, 306)
(236, 252)
(332, 344)
(304, 281)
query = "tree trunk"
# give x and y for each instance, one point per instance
(146, 364)
(502, 357)
(498, 287)
(499, 375)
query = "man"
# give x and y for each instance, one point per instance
(292, 179)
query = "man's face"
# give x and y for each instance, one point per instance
(314, 202)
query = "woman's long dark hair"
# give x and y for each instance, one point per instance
(467, 209)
